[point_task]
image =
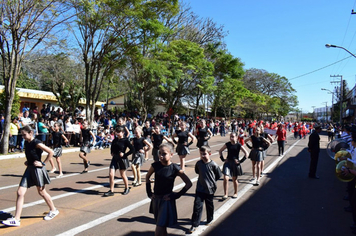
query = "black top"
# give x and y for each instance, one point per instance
(314, 142)
(86, 135)
(183, 137)
(203, 133)
(233, 151)
(256, 141)
(138, 143)
(120, 145)
(57, 139)
(124, 128)
(32, 153)
(164, 177)
(157, 140)
(147, 132)
(208, 173)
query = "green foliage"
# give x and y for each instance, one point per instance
(27, 82)
(16, 105)
(278, 93)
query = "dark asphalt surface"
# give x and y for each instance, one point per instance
(291, 204)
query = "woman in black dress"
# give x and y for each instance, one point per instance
(163, 204)
(35, 175)
(85, 134)
(119, 160)
(183, 145)
(232, 164)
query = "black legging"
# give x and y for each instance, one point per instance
(281, 147)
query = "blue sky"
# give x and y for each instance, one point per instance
(288, 38)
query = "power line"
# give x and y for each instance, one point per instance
(320, 68)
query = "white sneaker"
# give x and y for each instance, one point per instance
(101, 148)
(11, 222)
(51, 215)
(59, 176)
(53, 170)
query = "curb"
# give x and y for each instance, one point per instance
(21, 155)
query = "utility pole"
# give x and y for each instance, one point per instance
(326, 111)
(313, 112)
(341, 94)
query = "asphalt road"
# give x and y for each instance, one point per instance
(287, 202)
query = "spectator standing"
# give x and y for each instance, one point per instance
(314, 149)
(14, 131)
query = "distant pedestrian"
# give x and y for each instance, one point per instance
(281, 136)
(314, 149)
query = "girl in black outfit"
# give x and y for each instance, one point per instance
(157, 139)
(35, 175)
(119, 160)
(57, 138)
(121, 123)
(232, 164)
(163, 204)
(141, 146)
(183, 145)
(147, 133)
(257, 154)
(85, 134)
(203, 134)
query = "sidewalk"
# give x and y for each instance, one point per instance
(22, 154)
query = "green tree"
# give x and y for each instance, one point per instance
(273, 87)
(61, 75)
(24, 25)
(228, 74)
(145, 69)
(187, 69)
(109, 31)
(27, 82)
(16, 105)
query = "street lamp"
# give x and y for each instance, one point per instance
(332, 102)
(341, 85)
(334, 46)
